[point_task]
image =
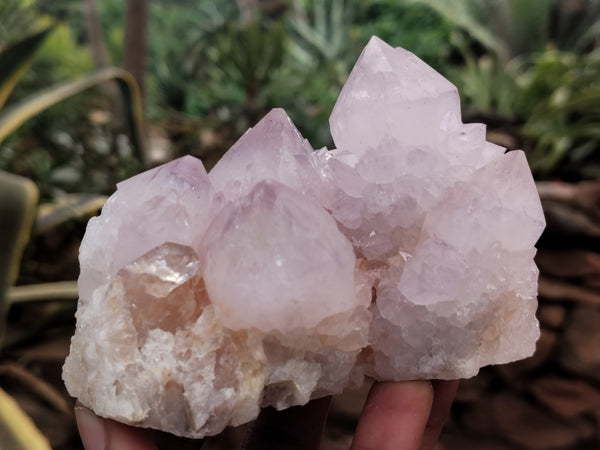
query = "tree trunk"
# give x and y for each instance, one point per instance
(95, 34)
(100, 56)
(134, 51)
(247, 9)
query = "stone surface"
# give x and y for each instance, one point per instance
(552, 316)
(567, 398)
(525, 425)
(545, 348)
(286, 274)
(579, 351)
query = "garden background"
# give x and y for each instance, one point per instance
(197, 75)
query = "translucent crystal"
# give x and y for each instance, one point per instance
(133, 219)
(273, 149)
(267, 246)
(391, 94)
(287, 274)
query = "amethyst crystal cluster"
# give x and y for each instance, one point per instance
(286, 274)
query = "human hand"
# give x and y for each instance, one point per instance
(407, 415)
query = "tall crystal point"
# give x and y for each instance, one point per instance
(391, 94)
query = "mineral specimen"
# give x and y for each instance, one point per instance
(287, 274)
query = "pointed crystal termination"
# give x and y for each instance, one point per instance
(133, 219)
(286, 239)
(273, 149)
(391, 93)
(286, 274)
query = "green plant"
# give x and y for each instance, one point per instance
(16, 60)
(531, 67)
(19, 196)
(560, 101)
(509, 28)
(180, 61)
(414, 26)
(17, 207)
(318, 58)
(18, 19)
(15, 115)
(82, 142)
(487, 86)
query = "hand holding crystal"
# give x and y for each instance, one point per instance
(403, 415)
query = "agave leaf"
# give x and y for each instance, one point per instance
(58, 290)
(14, 116)
(67, 207)
(320, 17)
(15, 59)
(18, 200)
(590, 35)
(17, 429)
(462, 15)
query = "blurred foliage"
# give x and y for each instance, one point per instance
(509, 28)
(531, 68)
(413, 26)
(18, 19)
(73, 146)
(214, 70)
(493, 36)
(560, 99)
(17, 429)
(16, 59)
(318, 59)
(212, 73)
(19, 195)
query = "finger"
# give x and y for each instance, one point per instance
(394, 416)
(296, 428)
(104, 434)
(443, 396)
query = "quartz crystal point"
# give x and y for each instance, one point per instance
(287, 274)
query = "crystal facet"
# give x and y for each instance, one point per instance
(287, 274)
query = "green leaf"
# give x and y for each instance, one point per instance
(58, 290)
(14, 116)
(18, 200)
(15, 59)
(67, 207)
(462, 15)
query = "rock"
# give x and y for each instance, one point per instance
(569, 263)
(287, 275)
(579, 350)
(473, 389)
(516, 372)
(566, 397)
(524, 424)
(511, 418)
(553, 289)
(550, 315)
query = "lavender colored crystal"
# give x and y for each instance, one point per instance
(287, 274)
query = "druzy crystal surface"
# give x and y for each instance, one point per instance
(286, 274)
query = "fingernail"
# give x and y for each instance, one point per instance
(91, 429)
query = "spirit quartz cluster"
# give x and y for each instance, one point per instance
(287, 274)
